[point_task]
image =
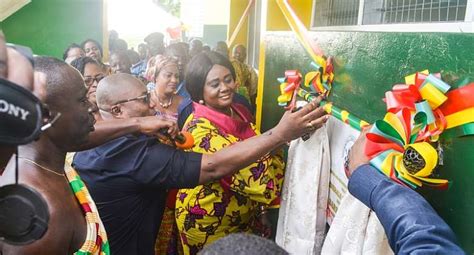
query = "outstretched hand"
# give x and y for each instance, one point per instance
(309, 118)
(357, 155)
(151, 125)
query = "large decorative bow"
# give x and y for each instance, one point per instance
(418, 112)
(394, 147)
(398, 145)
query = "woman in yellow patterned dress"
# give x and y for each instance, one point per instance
(211, 211)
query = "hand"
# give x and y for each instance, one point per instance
(151, 125)
(307, 119)
(357, 155)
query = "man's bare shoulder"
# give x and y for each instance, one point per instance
(67, 227)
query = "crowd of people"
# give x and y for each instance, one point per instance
(116, 184)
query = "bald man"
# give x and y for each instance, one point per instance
(42, 163)
(128, 177)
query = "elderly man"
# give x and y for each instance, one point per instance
(129, 176)
(42, 167)
(239, 53)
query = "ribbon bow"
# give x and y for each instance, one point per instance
(320, 81)
(394, 147)
(397, 145)
(289, 86)
(423, 92)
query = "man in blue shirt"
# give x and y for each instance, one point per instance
(411, 224)
(128, 177)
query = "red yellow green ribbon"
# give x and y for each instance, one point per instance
(290, 89)
(392, 148)
(417, 111)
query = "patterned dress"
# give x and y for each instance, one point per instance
(211, 211)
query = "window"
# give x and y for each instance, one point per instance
(409, 11)
(336, 12)
(414, 14)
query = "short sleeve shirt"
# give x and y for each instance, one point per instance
(128, 179)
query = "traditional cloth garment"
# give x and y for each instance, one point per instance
(302, 217)
(211, 211)
(168, 242)
(355, 230)
(244, 78)
(96, 239)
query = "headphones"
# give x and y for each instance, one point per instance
(24, 214)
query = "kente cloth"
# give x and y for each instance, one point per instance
(96, 242)
(243, 78)
(211, 211)
(167, 242)
(302, 218)
(356, 230)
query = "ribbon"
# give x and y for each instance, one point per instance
(320, 81)
(417, 112)
(423, 92)
(302, 33)
(289, 85)
(290, 89)
(393, 149)
(459, 110)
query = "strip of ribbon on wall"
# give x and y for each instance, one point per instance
(401, 144)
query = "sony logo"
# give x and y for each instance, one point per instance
(13, 110)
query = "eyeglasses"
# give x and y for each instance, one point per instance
(90, 80)
(145, 98)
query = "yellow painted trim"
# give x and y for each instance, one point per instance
(245, 14)
(105, 31)
(261, 80)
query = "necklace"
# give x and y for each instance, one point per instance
(164, 105)
(42, 167)
(231, 113)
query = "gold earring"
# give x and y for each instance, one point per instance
(201, 101)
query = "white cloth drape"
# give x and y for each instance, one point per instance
(355, 230)
(302, 219)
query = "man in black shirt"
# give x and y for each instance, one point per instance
(128, 177)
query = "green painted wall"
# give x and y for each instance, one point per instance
(366, 65)
(49, 26)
